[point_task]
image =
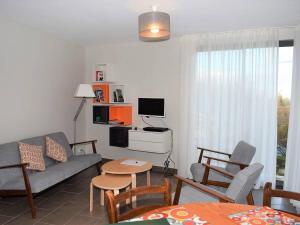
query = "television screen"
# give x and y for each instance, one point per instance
(151, 107)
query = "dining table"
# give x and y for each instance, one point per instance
(213, 214)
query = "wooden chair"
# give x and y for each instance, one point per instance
(112, 201)
(219, 176)
(269, 193)
(237, 192)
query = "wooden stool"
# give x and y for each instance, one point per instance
(108, 182)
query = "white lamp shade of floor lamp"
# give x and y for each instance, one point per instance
(84, 91)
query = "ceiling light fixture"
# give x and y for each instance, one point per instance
(154, 26)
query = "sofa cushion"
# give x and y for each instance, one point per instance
(39, 181)
(9, 155)
(61, 139)
(32, 154)
(55, 150)
(40, 140)
(54, 174)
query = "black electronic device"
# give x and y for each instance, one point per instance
(155, 129)
(151, 107)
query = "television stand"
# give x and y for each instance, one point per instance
(155, 129)
(150, 141)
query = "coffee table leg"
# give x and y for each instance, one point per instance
(91, 197)
(148, 178)
(133, 184)
(128, 200)
(102, 197)
(116, 192)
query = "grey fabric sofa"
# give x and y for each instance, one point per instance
(16, 180)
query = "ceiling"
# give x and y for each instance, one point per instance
(90, 22)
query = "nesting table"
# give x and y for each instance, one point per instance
(108, 182)
(116, 167)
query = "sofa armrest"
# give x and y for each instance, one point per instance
(14, 166)
(86, 142)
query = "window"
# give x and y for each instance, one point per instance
(285, 68)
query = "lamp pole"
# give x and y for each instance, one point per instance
(76, 116)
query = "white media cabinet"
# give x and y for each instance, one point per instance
(149, 141)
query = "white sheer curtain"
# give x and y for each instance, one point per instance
(229, 92)
(292, 168)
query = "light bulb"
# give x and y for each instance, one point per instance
(154, 30)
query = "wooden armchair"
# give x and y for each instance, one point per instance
(237, 192)
(112, 201)
(219, 176)
(269, 193)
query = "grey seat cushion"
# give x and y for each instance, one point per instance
(9, 155)
(197, 170)
(191, 195)
(54, 174)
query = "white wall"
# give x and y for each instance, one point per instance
(147, 70)
(38, 77)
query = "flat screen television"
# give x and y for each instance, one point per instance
(151, 107)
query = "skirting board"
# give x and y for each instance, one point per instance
(157, 169)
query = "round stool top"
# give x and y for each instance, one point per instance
(111, 182)
(116, 167)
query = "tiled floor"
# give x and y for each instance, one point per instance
(68, 203)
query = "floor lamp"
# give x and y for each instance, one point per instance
(83, 91)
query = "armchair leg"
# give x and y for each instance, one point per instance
(206, 174)
(250, 199)
(177, 193)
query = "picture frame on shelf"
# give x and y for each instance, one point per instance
(100, 72)
(99, 95)
(101, 92)
(99, 75)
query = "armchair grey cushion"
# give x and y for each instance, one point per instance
(243, 182)
(197, 170)
(243, 153)
(238, 189)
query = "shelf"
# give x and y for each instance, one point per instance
(114, 104)
(104, 82)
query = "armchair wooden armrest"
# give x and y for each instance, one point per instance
(218, 195)
(210, 150)
(14, 166)
(242, 165)
(226, 173)
(86, 142)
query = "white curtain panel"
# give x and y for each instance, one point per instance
(292, 168)
(229, 93)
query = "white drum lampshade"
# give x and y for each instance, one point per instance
(154, 26)
(84, 91)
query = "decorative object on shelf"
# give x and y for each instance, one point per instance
(154, 26)
(83, 91)
(101, 93)
(100, 73)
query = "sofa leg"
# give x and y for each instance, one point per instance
(31, 205)
(98, 168)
